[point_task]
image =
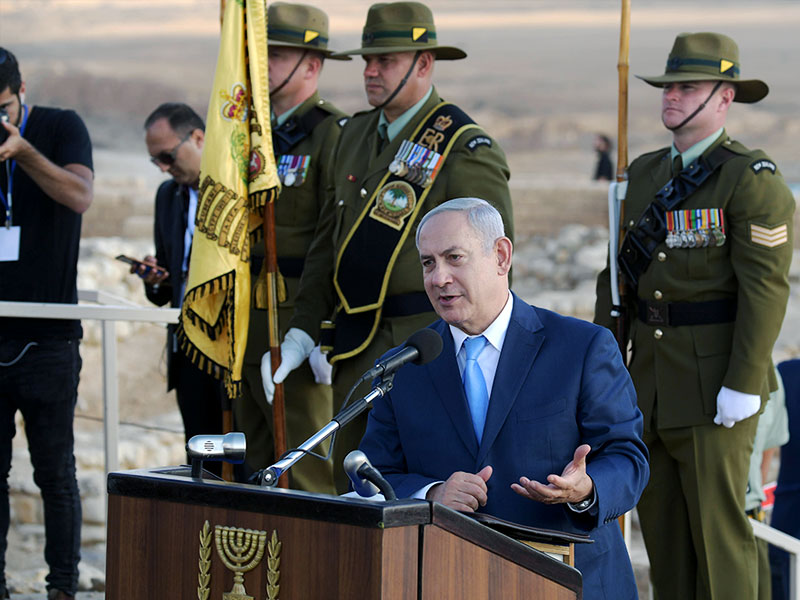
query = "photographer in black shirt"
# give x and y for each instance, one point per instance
(45, 186)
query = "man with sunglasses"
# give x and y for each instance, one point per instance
(174, 134)
(45, 185)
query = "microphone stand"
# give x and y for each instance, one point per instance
(272, 473)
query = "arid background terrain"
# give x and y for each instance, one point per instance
(541, 77)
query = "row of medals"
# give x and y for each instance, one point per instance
(696, 238)
(415, 163)
(292, 175)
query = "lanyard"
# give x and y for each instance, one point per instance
(6, 198)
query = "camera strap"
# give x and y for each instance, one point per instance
(6, 199)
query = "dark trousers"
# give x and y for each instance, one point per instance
(43, 385)
(200, 397)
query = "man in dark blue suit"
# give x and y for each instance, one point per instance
(544, 431)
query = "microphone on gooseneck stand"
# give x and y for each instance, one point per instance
(422, 347)
(367, 480)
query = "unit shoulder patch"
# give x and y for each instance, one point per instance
(478, 140)
(761, 164)
(769, 237)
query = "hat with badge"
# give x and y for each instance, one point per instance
(299, 26)
(402, 27)
(708, 57)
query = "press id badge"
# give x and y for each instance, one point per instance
(9, 243)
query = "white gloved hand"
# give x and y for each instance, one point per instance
(320, 366)
(733, 406)
(296, 347)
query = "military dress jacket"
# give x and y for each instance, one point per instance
(476, 166)
(685, 366)
(299, 209)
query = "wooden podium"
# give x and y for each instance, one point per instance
(170, 536)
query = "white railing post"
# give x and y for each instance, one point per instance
(110, 396)
(785, 542)
(108, 315)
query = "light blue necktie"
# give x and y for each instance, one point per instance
(475, 384)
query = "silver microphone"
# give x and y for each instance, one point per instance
(352, 463)
(230, 447)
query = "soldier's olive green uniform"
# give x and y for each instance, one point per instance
(692, 511)
(476, 166)
(298, 211)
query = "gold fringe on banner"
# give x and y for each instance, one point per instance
(238, 177)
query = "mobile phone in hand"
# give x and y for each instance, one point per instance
(136, 263)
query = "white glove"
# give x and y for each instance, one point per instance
(733, 406)
(320, 366)
(296, 347)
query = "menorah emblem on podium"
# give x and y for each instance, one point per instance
(240, 551)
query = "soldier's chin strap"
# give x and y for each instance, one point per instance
(402, 83)
(699, 108)
(290, 75)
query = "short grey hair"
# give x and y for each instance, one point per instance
(482, 216)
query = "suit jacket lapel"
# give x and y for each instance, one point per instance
(447, 382)
(522, 344)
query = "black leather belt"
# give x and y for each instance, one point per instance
(676, 314)
(288, 266)
(405, 305)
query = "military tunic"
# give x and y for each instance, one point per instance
(476, 166)
(298, 212)
(692, 511)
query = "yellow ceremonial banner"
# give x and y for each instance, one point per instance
(237, 178)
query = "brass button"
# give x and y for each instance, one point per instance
(658, 295)
(631, 223)
(363, 192)
(658, 334)
(662, 256)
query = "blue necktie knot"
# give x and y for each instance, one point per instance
(475, 384)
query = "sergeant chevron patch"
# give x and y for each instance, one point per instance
(769, 237)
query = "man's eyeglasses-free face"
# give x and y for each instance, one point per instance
(168, 158)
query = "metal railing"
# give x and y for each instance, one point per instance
(110, 309)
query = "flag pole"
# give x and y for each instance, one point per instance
(271, 268)
(622, 162)
(619, 190)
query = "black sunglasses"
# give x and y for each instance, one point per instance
(168, 158)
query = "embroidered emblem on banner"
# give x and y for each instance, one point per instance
(769, 237)
(395, 201)
(759, 165)
(235, 106)
(256, 163)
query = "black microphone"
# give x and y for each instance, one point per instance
(367, 480)
(422, 347)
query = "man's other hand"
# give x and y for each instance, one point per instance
(573, 485)
(462, 491)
